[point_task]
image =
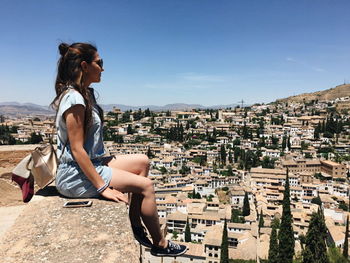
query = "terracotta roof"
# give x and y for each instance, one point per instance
(177, 216)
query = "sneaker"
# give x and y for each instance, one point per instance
(141, 236)
(172, 250)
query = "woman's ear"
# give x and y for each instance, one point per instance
(83, 65)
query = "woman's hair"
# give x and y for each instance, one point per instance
(70, 74)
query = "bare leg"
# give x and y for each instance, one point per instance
(137, 164)
(128, 182)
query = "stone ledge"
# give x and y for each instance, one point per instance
(47, 232)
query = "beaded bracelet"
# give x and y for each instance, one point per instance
(102, 188)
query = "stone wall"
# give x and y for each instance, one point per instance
(44, 231)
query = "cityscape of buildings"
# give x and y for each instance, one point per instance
(205, 164)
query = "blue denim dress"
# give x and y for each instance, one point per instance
(70, 179)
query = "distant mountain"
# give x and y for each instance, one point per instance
(329, 94)
(25, 109)
(175, 106)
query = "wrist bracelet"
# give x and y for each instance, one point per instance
(102, 188)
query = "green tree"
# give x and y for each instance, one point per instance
(175, 234)
(149, 153)
(224, 246)
(273, 249)
(336, 256)
(129, 130)
(261, 220)
(35, 138)
(147, 113)
(235, 215)
(185, 170)
(268, 162)
(126, 116)
(163, 170)
(342, 205)
(236, 153)
(286, 235)
(317, 200)
(230, 159)
(315, 247)
(223, 154)
(246, 206)
(317, 131)
(209, 198)
(187, 232)
(229, 170)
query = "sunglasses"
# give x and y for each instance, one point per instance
(99, 63)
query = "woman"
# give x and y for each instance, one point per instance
(83, 171)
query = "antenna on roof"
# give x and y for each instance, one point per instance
(241, 102)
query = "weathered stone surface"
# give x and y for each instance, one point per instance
(47, 232)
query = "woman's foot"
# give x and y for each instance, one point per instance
(171, 250)
(140, 235)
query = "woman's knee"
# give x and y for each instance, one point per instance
(144, 162)
(148, 187)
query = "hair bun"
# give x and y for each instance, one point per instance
(63, 47)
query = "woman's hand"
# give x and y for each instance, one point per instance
(115, 195)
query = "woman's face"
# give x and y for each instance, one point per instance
(93, 70)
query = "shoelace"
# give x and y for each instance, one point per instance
(172, 245)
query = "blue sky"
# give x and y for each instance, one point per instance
(189, 51)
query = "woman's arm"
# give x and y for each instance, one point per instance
(74, 117)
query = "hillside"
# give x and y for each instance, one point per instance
(15, 109)
(19, 110)
(329, 94)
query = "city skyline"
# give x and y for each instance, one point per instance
(193, 52)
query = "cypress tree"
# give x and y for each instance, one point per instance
(317, 131)
(129, 130)
(286, 234)
(223, 154)
(246, 206)
(315, 247)
(149, 153)
(187, 232)
(261, 220)
(224, 245)
(235, 216)
(230, 159)
(273, 249)
(346, 242)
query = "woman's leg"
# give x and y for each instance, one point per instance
(128, 182)
(136, 164)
